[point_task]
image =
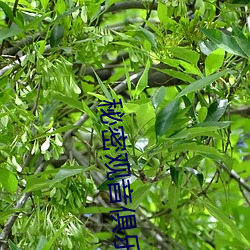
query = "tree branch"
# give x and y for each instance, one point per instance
(236, 177)
(21, 44)
(20, 203)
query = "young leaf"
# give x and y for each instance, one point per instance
(202, 114)
(49, 244)
(173, 196)
(8, 180)
(214, 61)
(166, 117)
(143, 81)
(186, 54)
(162, 12)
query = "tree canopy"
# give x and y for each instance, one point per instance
(179, 70)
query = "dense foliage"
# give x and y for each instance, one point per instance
(181, 69)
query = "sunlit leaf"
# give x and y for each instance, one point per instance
(143, 81)
(8, 180)
(173, 196)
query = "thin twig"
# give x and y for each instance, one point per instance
(148, 14)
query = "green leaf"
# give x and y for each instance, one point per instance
(158, 97)
(49, 244)
(44, 3)
(188, 105)
(214, 61)
(147, 35)
(177, 74)
(166, 117)
(138, 195)
(9, 32)
(223, 41)
(198, 175)
(244, 45)
(49, 110)
(104, 185)
(186, 54)
(194, 161)
(238, 33)
(68, 12)
(143, 81)
(8, 180)
(95, 210)
(218, 125)
(227, 223)
(174, 172)
(189, 68)
(9, 211)
(104, 89)
(56, 35)
(36, 184)
(193, 132)
(197, 85)
(216, 110)
(7, 10)
(173, 196)
(202, 114)
(70, 101)
(162, 12)
(41, 243)
(66, 172)
(13, 246)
